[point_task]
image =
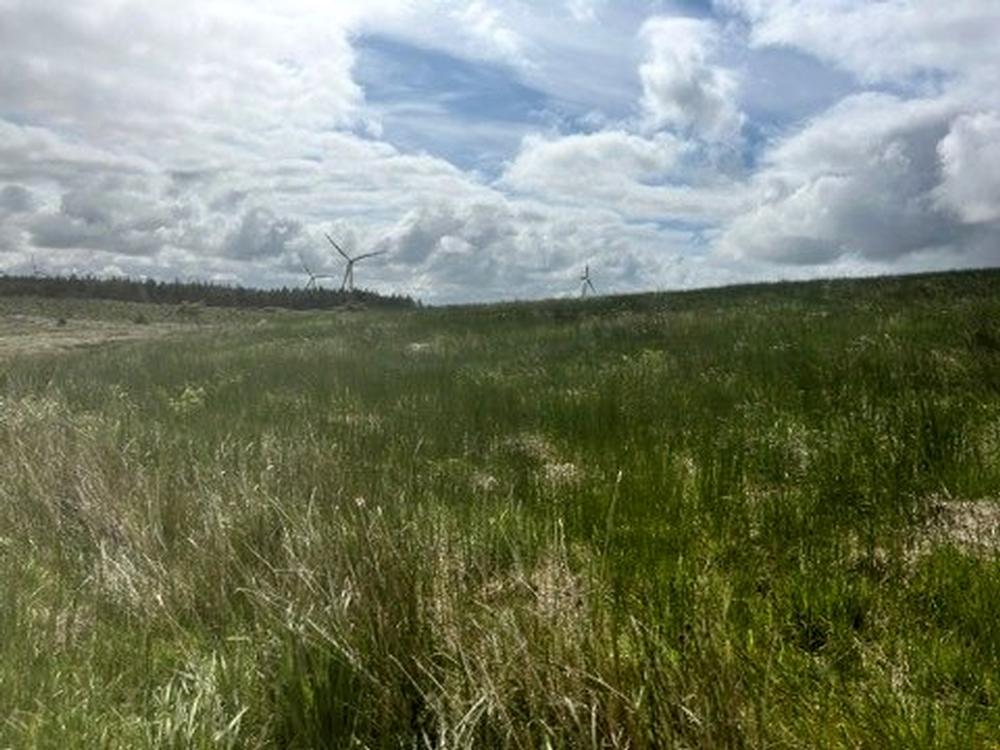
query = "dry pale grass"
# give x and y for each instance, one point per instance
(30, 334)
(971, 525)
(554, 470)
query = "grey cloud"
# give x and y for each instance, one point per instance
(133, 204)
(418, 234)
(89, 207)
(31, 154)
(115, 214)
(456, 230)
(186, 178)
(59, 231)
(16, 199)
(457, 264)
(261, 234)
(229, 201)
(487, 249)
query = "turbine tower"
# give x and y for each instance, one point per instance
(585, 282)
(348, 282)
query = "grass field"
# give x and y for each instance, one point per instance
(754, 517)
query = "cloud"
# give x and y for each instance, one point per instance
(476, 29)
(906, 179)
(682, 87)
(113, 213)
(136, 69)
(16, 199)
(587, 158)
(261, 234)
(891, 40)
(221, 141)
(422, 232)
(970, 161)
(450, 246)
(860, 180)
(16, 202)
(36, 154)
(503, 248)
(585, 11)
(637, 176)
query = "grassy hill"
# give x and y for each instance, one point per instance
(762, 516)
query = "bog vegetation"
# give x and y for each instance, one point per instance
(754, 517)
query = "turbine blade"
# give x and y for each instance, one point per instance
(338, 247)
(369, 255)
(302, 262)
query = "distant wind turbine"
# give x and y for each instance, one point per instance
(313, 277)
(348, 282)
(37, 272)
(585, 282)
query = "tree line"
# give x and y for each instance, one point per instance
(198, 292)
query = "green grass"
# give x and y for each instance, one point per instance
(694, 520)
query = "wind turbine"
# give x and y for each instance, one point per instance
(37, 272)
(586, 283)
(313, 277)
(348, 283)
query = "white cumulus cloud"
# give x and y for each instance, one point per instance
(862, 179)
(970, 161)
(683, 87)
(884, 39)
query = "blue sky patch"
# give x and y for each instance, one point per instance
(472, 113)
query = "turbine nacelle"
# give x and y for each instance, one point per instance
(347, 283)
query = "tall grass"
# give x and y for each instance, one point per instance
(692, 521)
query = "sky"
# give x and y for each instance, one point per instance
(493, 148)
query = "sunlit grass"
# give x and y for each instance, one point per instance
(722, 519)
